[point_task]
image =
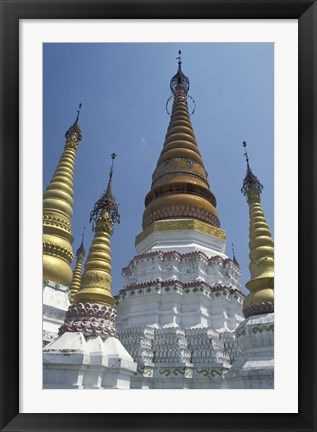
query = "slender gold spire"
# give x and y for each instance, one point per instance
(96, 279)
(261, 285)
(57, 213)
(180, 187)
(80, 254)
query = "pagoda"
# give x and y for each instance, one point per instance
(58, 237)
(253, 365)
(181, 298)
(87, 353)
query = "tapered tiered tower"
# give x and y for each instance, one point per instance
(180, 199)
(261, 285)
(58, 236)
(181, 286)
(57, 213)
(253, 366)
(180, 187)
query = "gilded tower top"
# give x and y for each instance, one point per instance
(250, 182)
(74, 134)
(180, 186)
(96, 279)
(58, 211)
(107, 202)
(180, 81)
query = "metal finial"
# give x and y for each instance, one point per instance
(250, 180)
(109, 187)
(113, 156)
(179, 83)
(83, 235)
(179, 86)
(74, 132)
(78, 112)
(107, 201)
(234, 256)
(179, 58)
(245, 153)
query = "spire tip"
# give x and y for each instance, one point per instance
(78, 112)
(250, 181)
(107, 202)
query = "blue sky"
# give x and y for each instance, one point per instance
(123, 89)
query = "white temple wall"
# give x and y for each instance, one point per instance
(55, 305)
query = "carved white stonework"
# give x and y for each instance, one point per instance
(185, 267)
(55, 305)
(171, 289)
(177, 311)
(75, 361)
(253, 366)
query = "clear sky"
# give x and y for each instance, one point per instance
(123, 89)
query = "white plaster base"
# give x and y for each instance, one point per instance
(79, 362)
(253, 367)
(55, 305)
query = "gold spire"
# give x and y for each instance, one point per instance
(96, 279)
(180, 187)
(261, 285)
(75, 285)
(57, 213)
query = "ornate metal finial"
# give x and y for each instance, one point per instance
(246, 154)
(74, 132)
(234, 256)
(78, 112)
(107, 201)
(179, 86)
(179, 59)
(180, 82)
(250, 180)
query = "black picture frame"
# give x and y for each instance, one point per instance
(14, 10)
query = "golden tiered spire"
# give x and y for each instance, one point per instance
(96, 279)
(261, 286)
(180, 187)
(75, 285)
(57, 213)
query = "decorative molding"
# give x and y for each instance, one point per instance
(258, 309)
(54, 221)
(179, 172)
(58, 251)
(156, 287)
(182, 257)
(91, 319)
(180, 187)
(181, 225)
(180, 211)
